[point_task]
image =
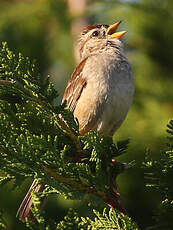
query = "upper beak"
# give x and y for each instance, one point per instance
(111, 30)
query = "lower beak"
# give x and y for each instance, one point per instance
(118, 34)
(112, 31)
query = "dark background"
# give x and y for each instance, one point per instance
(45, 30)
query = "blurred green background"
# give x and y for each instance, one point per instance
(45, 30)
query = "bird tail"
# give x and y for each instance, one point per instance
(24, 210)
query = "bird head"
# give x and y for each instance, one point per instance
(97, 38)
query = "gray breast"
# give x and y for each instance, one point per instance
(118, 98)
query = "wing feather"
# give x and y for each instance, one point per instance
(75, 87)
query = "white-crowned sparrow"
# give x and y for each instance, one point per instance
(100, 90)
(101, 87)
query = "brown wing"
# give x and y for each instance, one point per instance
(75, 87)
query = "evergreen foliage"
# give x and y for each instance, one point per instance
(107, 220)
(41, 140)
(159, 176)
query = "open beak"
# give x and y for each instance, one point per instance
(111, 30)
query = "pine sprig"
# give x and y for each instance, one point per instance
(107, 220)
(159, 176)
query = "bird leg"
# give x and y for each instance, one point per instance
(113, 198)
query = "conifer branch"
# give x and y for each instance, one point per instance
(64, 127)
(20, 87)
(41, 140)
(76, 185)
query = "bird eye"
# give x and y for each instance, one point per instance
(95, 33)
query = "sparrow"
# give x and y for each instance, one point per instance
(100, 90)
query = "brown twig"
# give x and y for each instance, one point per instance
(112, 198)
(67, 130)
(72, 183)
